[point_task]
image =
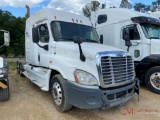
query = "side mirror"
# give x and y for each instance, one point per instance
(101, 39)
(35, 35)
(77, 39)
(6, 38)
(126, 37)
(45, 47)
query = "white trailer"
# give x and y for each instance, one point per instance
(136, 32)
(64, 56)
(4, 82)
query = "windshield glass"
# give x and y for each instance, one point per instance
(151, 31)
(64, 31)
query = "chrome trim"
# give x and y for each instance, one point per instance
(99, 67)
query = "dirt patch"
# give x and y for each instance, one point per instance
(28, 102)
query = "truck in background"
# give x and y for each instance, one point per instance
(4, 82)
(155, 14)
(137, 33)
(64, 56)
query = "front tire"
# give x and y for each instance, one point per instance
(4, 94)
(59, 94)
(152, 79)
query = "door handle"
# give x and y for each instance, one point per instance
(39, 57)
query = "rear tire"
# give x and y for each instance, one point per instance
(152, 79)
(21, 70)
(4, 94)
(17, 66)
(59, 95)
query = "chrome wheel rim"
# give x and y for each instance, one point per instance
(57, 93)
(155, 80)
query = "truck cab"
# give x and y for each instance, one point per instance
(136, 32)
(155, 14)
(64, 56)
(4, 70)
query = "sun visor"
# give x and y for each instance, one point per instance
(148, 20)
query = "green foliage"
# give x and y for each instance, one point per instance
(125, 4)
(90, 7)
(12, 65)
(16, 27)
(145, 8)
(139, 7)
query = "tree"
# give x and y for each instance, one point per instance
(158, 2)
(139, 7)
(125, 4)
(147, 8)
(86, 10)
(16, 27)
(154, 6)
(103, 6)
(94, 5)
(90, 7)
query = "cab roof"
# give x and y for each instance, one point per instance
(56, 15)
(115, 15)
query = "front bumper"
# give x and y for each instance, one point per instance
(97, 98)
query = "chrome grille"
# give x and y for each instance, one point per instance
(117, 69)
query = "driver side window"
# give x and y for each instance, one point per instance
(43, 33)
(133, 33)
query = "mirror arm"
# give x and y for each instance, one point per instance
(44, 47)
(82, 57)
(128, 48)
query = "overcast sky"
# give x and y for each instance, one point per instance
(17, 7)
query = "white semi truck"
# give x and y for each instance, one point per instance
(136, 32)
(64, 56)
(4, 82)
(155, 14)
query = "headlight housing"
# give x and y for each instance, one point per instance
(85, 78)
(3, 70)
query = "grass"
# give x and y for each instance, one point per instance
(12, 65)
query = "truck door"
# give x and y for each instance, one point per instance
(136, 49)
(155, 43)
(44, 39)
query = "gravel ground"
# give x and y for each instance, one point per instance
(28, 102)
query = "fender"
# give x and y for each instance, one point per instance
(141, 67)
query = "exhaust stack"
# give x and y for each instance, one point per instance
(28, 12)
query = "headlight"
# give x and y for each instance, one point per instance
(85, 78)
(3, 70)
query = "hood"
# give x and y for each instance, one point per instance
(1, 62)
(94, 48)
(88, 49)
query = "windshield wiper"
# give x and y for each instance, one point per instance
(89, 40)
(66, 39)
(154, 38)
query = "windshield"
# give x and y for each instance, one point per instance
(151, 31)
(64, 31)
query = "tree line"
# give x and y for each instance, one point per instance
(141, 7)
(16, 27)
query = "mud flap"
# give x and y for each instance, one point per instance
(137, 87)
(3, 84)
